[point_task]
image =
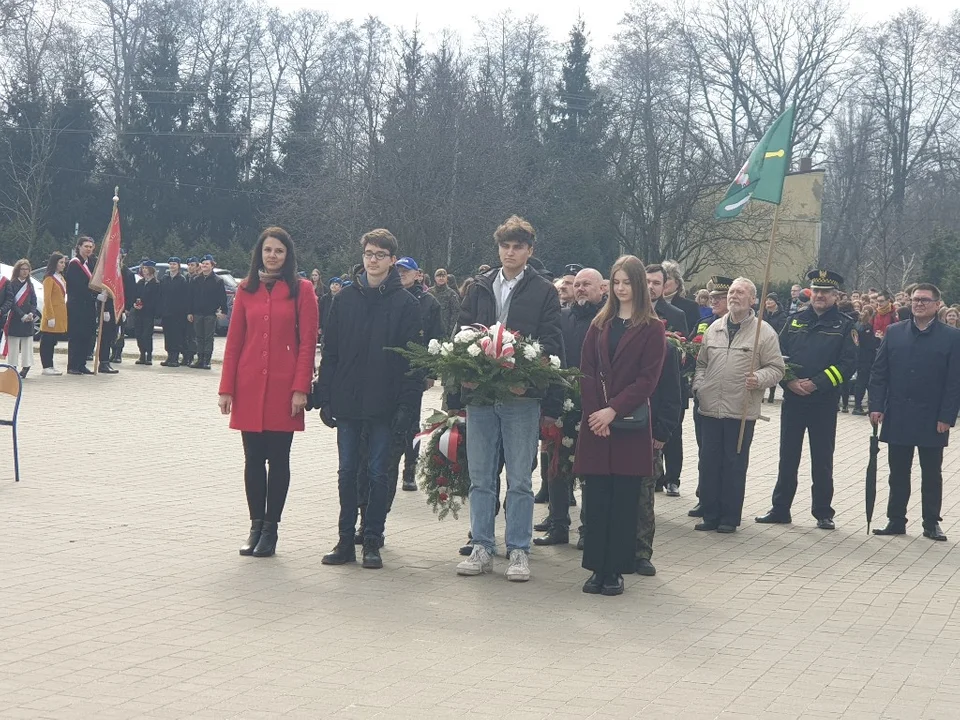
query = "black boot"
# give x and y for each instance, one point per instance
(149, 360)
(267, 544)
(255, 527)
(371, 554)
(206, 362)
(24, 371)
(142, 360)
(105, 369)
(344, 552)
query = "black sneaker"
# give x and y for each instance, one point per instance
(645, 567)
(345, 552)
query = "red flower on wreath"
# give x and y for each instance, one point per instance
(437, 460)
(443, 497)
(698, 339)
(441, 481)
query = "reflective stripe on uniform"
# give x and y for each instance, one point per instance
(835, 377)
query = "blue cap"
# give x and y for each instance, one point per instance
(408, 263)
(148, 263)
(192, 259)
(206, 257)
(346, 283)
(174, 259)
(333, 280)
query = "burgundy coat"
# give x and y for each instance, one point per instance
(631, 379)
(264, 361)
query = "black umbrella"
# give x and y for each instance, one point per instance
(871, 487)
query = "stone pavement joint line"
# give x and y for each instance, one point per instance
(123, 595)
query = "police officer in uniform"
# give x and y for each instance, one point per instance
(718, 285)
(821, 343)
(189, 336)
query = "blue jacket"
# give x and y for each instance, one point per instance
(915, 383)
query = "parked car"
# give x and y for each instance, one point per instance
(230, 284)
(7, 272)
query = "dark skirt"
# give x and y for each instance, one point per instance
(610, 514)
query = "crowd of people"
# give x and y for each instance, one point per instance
(629, 336)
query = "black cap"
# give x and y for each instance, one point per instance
(572, 269)
(720, 284)
(825, 279)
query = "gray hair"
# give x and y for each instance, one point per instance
(748, 282)
(671, 269)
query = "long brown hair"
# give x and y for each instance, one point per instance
(643, 313)
(289, 270)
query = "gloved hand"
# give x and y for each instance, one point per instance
(51, 323)
(402, 420)
(106, 317)
(102, 297)
(326, 417)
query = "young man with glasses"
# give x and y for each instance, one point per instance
(915, 398)
(821, 343)
(365, 386)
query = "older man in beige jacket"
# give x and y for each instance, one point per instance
(724, 387)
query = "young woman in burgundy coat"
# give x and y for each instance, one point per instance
(622, 356)
(267, 372)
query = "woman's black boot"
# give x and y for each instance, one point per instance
(267, 544)
(255, 527)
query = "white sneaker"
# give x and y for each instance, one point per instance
(519, 568)
(478, 563)
(51, 371)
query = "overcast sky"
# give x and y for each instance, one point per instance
(601, 16)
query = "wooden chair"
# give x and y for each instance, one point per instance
(12, 384)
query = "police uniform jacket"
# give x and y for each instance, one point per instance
(174, 296)
(574, 323)
(705, 323)
(822, 348)
(915, 383)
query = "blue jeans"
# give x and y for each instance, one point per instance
(349, 447)
(513, 426)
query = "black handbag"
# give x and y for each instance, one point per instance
(638, 419)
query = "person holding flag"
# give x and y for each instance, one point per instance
(81, 307)
(107, 278)
(19, 327)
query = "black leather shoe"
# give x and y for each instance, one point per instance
(409, 484)
(541, 497)
(726, 529)
(105, 369)
(858, 411)
(706, 526)
(695, 511)
(645, 567)
(344, 552)
(544, 525)
(149, 360)
(142, 360)
(371, 554)
(74, 372)
(593, 585)
(85, 370)
(580, 542)
(554, 536)
(891, 529)
(267, 544)
(673, 490)
(255, 527)
(935, 533)
(613, 585)
(826, 524)
(774, 518)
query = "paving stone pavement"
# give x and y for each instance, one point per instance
(123, 595)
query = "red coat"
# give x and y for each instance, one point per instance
(264, 362)
(631, 379)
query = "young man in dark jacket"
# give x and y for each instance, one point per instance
(208, 301)
(174, 307)
(527, 303)
(364, 385)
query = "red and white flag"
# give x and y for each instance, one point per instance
(107, 275)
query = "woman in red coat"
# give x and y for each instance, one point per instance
(622, 355)
(267, 372)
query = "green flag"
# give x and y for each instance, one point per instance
(761, 177)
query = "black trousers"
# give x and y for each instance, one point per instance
(559, 494)
(723, 471)
(819, 421)
(174, 336)
(48, 341)
(673, 454)
(266, 492)
(863, 380)
(144, 327)
(82, 333)
(900, 459)
(108, 340)
(610, 503)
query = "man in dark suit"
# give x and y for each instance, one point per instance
(915, 395)
(676, 321)
(673, 293)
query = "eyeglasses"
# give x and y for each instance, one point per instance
(718, 299)
(922, 301)
(370, 255)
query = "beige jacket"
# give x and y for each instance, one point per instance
(722, 368)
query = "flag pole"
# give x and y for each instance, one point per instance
(756, 339)
(103, 305)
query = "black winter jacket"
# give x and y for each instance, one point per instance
(915, 382)
(776, 319)
(574, 323)
(534, 313)
(360, 377)
(667, 398)
(174, 296)
(868, 344)
(675, 318)
(129, 288)
(207, 295)
(690, 310)
(431, 323)
(148, 293)
(19, 328)
(823, 348)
